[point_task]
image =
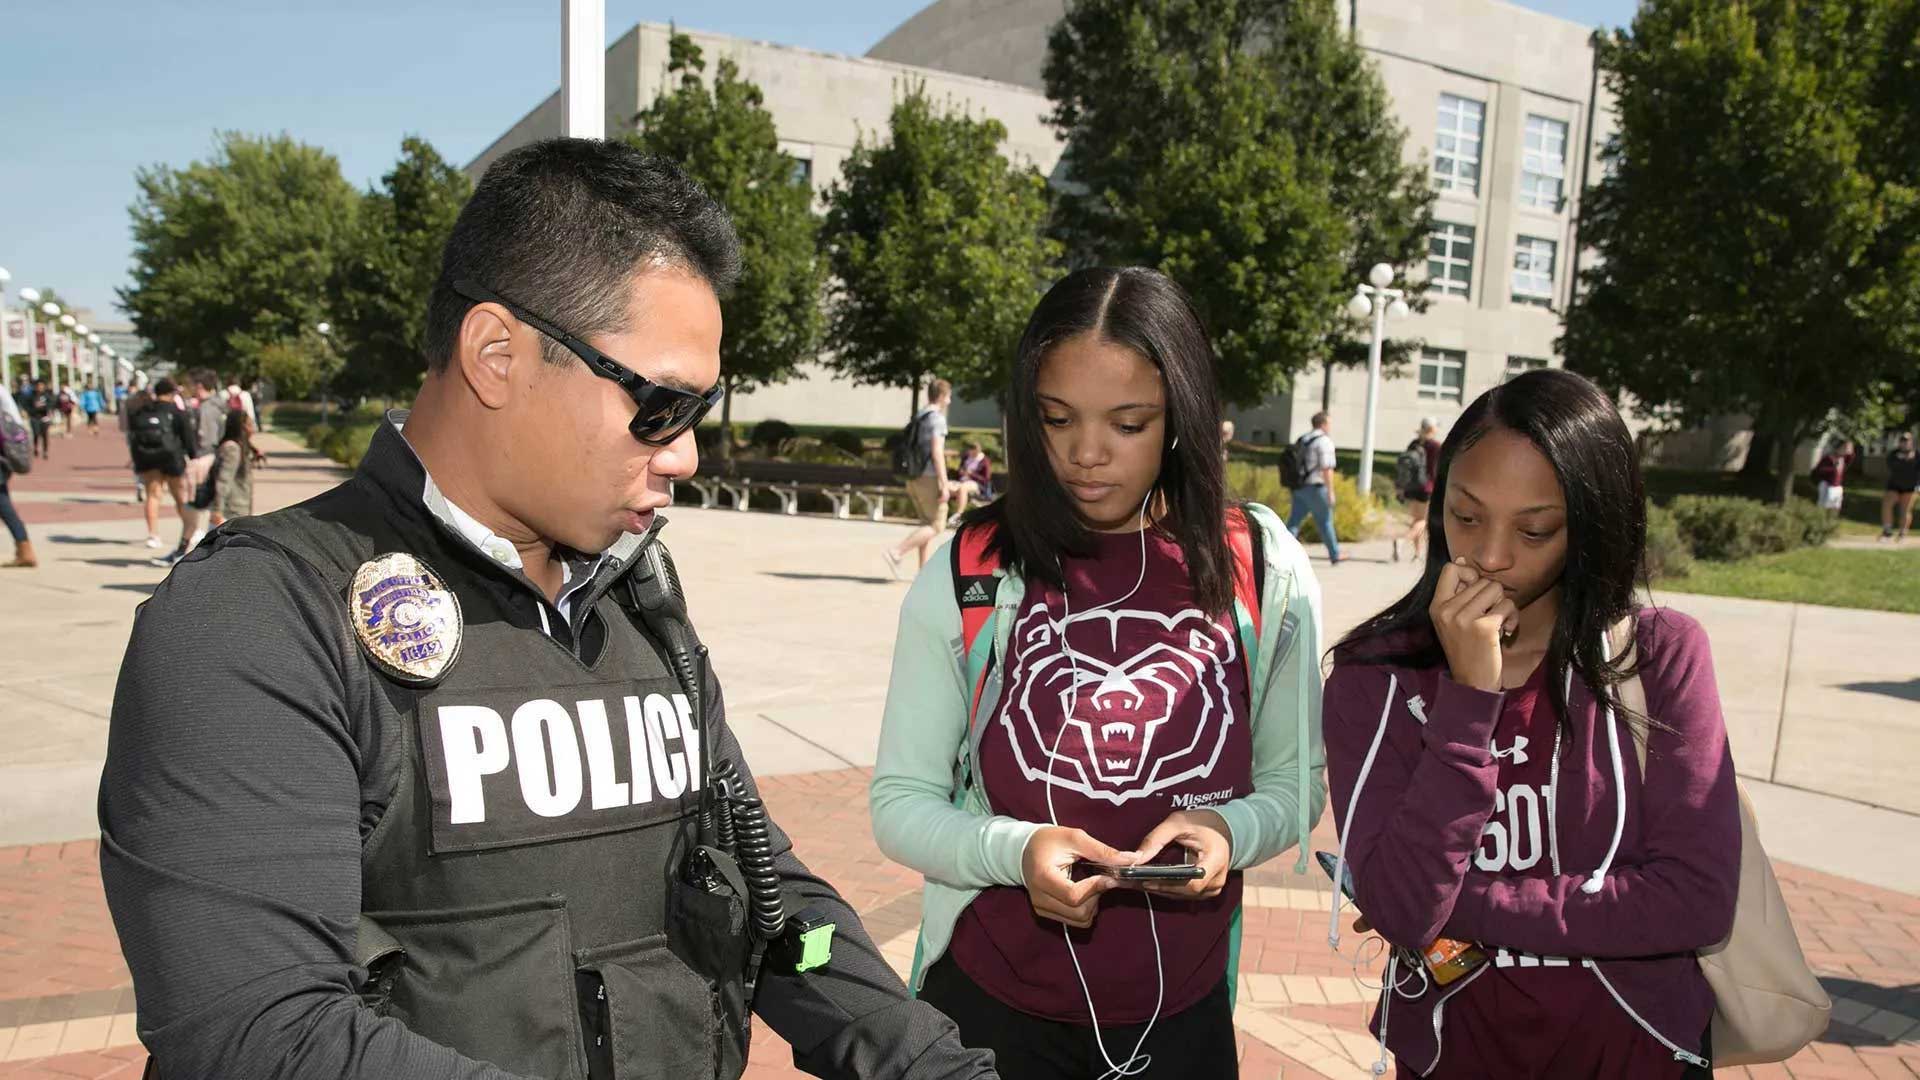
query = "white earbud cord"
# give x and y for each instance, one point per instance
(1137, 1062)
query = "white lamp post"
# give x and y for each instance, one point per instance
(68, 322)
(1379, 301)
(30, 296)
(326, 334)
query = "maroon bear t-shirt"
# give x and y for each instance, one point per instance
(1158, 724)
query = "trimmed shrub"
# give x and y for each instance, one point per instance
(1668, 552)
(846, 441)
(1724, 528)
(772, 436)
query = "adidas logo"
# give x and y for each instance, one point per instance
(977, 594)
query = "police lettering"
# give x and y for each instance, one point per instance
(563, 756)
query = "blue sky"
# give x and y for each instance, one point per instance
(91, 90)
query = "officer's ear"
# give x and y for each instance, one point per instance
(486, 351)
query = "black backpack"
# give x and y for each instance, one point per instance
(1410, 471)
(154, 435)
(1294, 472)
(911, 452)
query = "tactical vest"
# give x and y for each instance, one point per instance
(521, 895)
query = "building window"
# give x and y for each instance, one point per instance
(802, 171)
(1450, 259)
(1520, 365)
(1443, 374)
(1533, 271)
(1456, 145)
(1543, 164)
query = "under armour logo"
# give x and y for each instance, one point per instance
(1417, 705)
(1518, 751)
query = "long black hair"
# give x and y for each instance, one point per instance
(1576, 428)
(1035, 522)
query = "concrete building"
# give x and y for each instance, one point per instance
(822, 104)
(1499, 102)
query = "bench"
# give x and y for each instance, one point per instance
(842, 485)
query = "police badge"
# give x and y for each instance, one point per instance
(405, 618)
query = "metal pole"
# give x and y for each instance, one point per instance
(583, 59)
(1380, 302)
(33, 350)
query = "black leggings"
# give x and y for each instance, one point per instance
(41, 429)
(1196, 1042)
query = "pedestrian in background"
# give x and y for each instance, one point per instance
(1308, 468)
(23, 556)
(93, 403)
(159, 439)
(930, 488)
(1903, 479)
(66, 400)
(39, 406)
(1413, 475)
(232, 475)
(1831, 476)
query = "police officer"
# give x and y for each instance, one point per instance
(427, 776)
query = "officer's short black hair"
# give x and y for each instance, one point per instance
(561, 226)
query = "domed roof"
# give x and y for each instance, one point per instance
(1005, 40)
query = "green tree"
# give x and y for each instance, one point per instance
(380, 287)
(1759, 233)
(723, 136)
(234, 253)
(299, 366)
(1248, 149)
(938, 250)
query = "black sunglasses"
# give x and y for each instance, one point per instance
(665, 412)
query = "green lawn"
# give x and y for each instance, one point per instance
(1876, 579)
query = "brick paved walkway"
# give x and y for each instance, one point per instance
(66, 1004)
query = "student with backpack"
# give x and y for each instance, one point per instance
(93, 403)
(16, 455)
(1413, 481)
(1108, 666)
(1307, 469)
(921, 457)
(159, 436)
(1530, 772)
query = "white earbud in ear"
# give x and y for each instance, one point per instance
(1176, 443)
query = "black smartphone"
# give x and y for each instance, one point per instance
(1147, 871)
(1330, 863)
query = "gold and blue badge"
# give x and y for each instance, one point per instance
(405, 618)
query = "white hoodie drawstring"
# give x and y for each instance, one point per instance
(1353, 803)
(1598, 879)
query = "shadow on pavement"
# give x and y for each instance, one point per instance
(1906, 691)
(143, 588)
(1904, 1000)
(120, 564)
(90, 540)
(854, 578)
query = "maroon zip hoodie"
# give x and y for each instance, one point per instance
(1410, 836)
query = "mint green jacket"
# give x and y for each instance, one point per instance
(927, 818)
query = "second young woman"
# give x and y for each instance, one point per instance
(1107, 666)
(1485, 774)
